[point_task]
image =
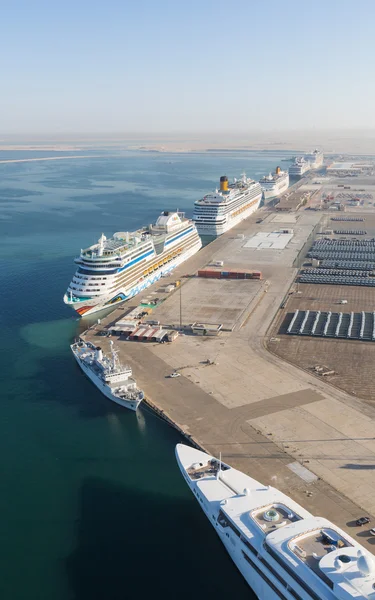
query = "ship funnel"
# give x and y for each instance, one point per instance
(99, 353)
(224, 183)
(278, 170)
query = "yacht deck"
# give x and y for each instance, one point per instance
(316, 544)
(209, 469)
(111, 247)
(274, 516)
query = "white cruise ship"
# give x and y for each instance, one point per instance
(315, 159)
(299, 167)
(223, 209)
(281, 549)
(275, 184)
(110, 377)
(116, 269)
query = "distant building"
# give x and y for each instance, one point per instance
(349, 169)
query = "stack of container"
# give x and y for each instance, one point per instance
(229, 274)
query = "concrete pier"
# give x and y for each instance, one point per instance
(268, 418)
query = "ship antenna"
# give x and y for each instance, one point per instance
(219, 469)
(114, 355)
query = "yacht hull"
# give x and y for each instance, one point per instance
(262, 590)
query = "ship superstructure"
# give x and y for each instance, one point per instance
(221, 210)
(281, 549)
(315, 159)
(112, 378)
(275, 184)
(116, 269)
(299, 167)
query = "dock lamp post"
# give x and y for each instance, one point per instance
(180, 308)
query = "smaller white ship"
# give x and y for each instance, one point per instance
(275, 184)
(299, 167)
(113, 379)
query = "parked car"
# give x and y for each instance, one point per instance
(175, 374)
(372, 531)
(362, 521)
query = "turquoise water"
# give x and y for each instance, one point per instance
(92, 504)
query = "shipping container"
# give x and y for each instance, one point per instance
(235, 274)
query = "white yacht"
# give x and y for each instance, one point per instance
(275, 184)
(281, 549)
(221, 210)
(116, 269)
(299, 167)
(315, 159)
(110, 377)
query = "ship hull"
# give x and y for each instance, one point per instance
(257, 584)
(217, 229)
(317, 165)
(88, 307)
(296, 176)
(105, 389)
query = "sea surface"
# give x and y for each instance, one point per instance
(92, 503)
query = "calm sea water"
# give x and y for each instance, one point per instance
(92, 504)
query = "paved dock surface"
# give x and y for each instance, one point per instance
(268, 418)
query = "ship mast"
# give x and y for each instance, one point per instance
(114, 354)
(219, 469)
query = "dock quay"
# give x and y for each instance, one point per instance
(238, 393)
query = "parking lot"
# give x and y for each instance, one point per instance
(351, 360)
(337, 276)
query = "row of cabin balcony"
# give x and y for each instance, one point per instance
(90, 278)
(84, 290)
(86, 284)
(78, 261)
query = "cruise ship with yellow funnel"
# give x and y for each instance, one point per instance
(275, 184)
(116, 269)
(221, 210)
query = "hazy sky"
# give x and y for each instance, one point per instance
(186, 65)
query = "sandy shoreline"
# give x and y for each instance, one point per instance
(40, 148)
(22, 160)
(353, 143)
